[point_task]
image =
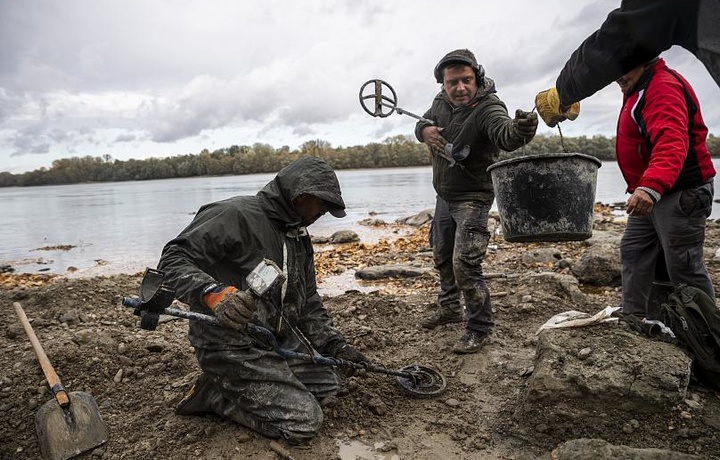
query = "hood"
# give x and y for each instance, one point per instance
(307, 175)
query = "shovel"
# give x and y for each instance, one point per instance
(70, 423)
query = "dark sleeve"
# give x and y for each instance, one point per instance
(420, 125)
(633, 34)
(186, 259)
(495, 122)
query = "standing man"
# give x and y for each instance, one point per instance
(207, 265)
(662, 153)
(633, 34)
(470, 126)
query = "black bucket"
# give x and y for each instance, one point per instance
(546, 197)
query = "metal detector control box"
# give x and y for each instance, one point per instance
(264, 277)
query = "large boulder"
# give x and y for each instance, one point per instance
(597, 449)
(582, 376)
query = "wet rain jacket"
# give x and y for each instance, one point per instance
(661, 134)
(484, 125)
(227, 239)
(635, 33)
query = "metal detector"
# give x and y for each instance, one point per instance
(385, 104)
(155, 299)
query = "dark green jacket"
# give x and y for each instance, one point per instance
(484, 125)
(227, 239)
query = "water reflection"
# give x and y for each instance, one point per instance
(122, 227)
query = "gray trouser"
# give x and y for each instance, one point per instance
(265, 392)
(460, 239)
(676, 230)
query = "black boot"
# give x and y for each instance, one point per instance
(196, 401)
(471, 342)
(442, 316)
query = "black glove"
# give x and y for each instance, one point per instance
(349, 353)
(232, 308)
(526, 124)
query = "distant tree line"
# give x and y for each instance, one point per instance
(397, 151)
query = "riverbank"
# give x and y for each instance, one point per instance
(138, 376)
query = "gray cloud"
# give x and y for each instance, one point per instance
(87, 76)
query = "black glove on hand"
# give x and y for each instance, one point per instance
(526, 124)
(232, 308)
(349, 353)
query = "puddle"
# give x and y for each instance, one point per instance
(356, 450)
(335, 285)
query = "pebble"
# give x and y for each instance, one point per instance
(693, 404)
(452, 402)
(118, 377)
(584, 353)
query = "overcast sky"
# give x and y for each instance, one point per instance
(135, 79)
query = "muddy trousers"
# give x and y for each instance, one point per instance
(460, 239)
(265, 392)
(675, 230)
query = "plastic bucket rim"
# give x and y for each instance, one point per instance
(544, 156)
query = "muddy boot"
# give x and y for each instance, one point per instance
(196, 399)
(471, 342)
(442, 316)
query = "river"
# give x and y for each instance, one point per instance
(121, 227)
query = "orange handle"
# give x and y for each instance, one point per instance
(52, 377)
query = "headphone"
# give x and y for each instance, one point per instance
(459, 59)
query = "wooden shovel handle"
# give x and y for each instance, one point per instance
(52, 377)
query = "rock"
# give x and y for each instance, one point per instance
(636, 377)
(320, 239)
(344, 236)
(599, 266)
(541, 256)
(99, 338)
(551, 284)
(72, 317)
(418, 219)
(372, 222)
(597, 449)
(452, 402)
(391, 271)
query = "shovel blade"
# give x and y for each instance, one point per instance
(64, 433)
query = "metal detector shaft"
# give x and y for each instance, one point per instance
(284, 352)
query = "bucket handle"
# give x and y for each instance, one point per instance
(562, 141)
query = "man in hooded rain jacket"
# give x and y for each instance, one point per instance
(207, 263)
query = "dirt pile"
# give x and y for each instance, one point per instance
(137, 376)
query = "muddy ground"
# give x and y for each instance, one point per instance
(137, 376)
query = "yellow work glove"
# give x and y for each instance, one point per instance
(550, 110)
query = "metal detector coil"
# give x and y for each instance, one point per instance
(383, 101)
(422, 380)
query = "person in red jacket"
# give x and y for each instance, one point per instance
(663, 156)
